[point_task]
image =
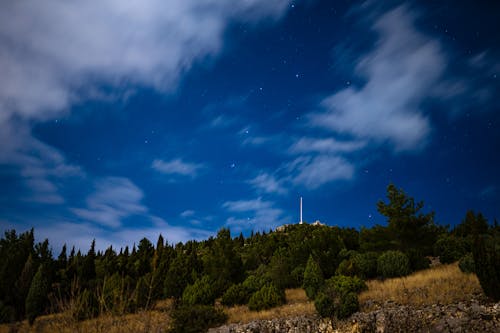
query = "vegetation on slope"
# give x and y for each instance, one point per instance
(262, 266)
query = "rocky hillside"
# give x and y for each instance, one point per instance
(472, 316)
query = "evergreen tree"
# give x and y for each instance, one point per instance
(37, 295)
(313, 278)
(486, 253)
(23, 284)
(410, 227)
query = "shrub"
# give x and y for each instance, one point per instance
(324, 305)
(466, 264)
(267, 297)
(6, 313)
(313, 278)
(347, 267)
(297, 276)
(236, 294)
(87, 306)
(141, 293)
(196, 318)
(255, 282)
(348, 305)
(393, 264)
(366, 264)
(341, 285)
(450, 249)
(486, 253)
(202, 291)
(417, 260)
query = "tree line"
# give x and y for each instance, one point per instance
(330, 263)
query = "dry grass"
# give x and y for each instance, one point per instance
(156, 320)
(296, 304)
(442, 284)
(438, 285)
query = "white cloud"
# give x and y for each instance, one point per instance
(177, 167)
(58, 53)
(114, 199)
(40, 166)
(256, 214)
(187, 213)
(327, 145)
(53, 49)
(268, 183)
(81, 235)
(400, 74)
(313, 172)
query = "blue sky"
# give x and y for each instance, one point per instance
(179, 117)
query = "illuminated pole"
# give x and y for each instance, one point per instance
(300, 222)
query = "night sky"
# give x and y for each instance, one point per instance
(126, 119)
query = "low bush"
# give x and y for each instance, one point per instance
(366, 264)
(417, 260)
(254, 282)
(324, 305)
(348, 305)
(347, 268)
(450, 249)
(486, 252)
(6, 313)
(466, 264)
(340, 284)
(297, 276)
(87, 306)
(237, 294)
(267, 297)
(201, 292)
(196, 318)
(393, 264)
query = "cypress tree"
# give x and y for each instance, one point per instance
(313, 278)
(37, 295)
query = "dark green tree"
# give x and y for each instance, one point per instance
(36, 300)
(486, 254)
(407, 223)
(313, 278)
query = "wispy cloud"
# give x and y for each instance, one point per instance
(113, 200)
(53, 50)
(187, 213)
(56, 54)
(40, 167)
(255, 214)
(324, 145)
(177, 167)
(399, 73)
(315, 171)
(268, 183)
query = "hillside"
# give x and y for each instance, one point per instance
(452, 300)
(302, 269)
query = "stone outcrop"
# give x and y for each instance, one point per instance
(460, 317)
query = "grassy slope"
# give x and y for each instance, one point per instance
(442, 284)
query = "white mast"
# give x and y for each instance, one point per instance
(300, 222)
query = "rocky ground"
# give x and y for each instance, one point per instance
(471, 316)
